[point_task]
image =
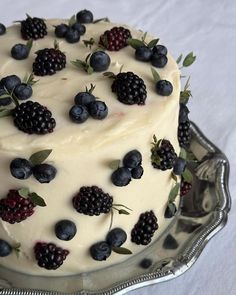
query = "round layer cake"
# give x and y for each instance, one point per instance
(84, 154)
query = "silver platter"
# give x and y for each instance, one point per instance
(202, 214)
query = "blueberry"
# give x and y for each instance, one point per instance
(179, 166)
(5, 248)
(65, 230)
(72, 36)
(137, 172)
(2, 29)
(84, 16)
(98, 109)
(44, 173)
(21, 168)
(170, 210)
(84, 98)
(100, 251)
(100, 61)
(61, 30)
(164, 88)
(116, 237)
(78, 114)
(159, 60)
(19, 51)
(10, 82)
(132, 159)
(121, 176)
(159, 49)
(4, 101)
(145, 263)
(183, 113)
(143, 53)
(23, 91)
(80, 28)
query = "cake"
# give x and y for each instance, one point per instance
(74, 169)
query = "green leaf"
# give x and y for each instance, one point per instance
(37, 200)
(24, 192)
(179, 58)
(144, 37)
(89, 43)
(104, 19)
(79, 64)
(121, 250)
(187, 175)
(189, 59)
(174, 192)
(4, 96)
(30, 79)
(153, 43)
(114, 165)
(17, 250)
(135, 43)
(72, 20)
(29, 45)
(89, 70)
(56, 44)
(109, 75)
(155, 75)
(39, 157)
(5, 113)
(184, 96)
(173, 176)
(183, 154)
(91, 89)
(123, 211)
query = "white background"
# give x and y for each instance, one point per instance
(208, 28)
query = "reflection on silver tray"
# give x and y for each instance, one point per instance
(201, 215)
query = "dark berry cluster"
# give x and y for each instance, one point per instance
(185, 188)
(49, 61)
(163, 155)
(13, 86)
(15, 208)
(115, 39)
(33, 118)
(129, 88)
(91, 200)
(144, 229)
(184, 132)
(86, 105)
(131, 169)
(33, 28)
(49, 256)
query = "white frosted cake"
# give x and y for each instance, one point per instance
(83, 193)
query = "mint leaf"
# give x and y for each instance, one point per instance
(135, 43)
(24, 192)
(187, 175)
(155, 75)
(5, 113)
(121, 250)
(72, 20)
(189, 59)
(39, 157)
(37, 200)
(114, 165)
(153, 43)
(173, 193)
(179, 58)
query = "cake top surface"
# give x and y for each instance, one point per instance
(57, 92)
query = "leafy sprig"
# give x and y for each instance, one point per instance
(89, 43)
(186, 93)
(121, 209)
(104, 19)
(136, 43)
(85, 64)
(29, 79)
(187, 61)
(17, 250)
(155, 158)
(155, 75)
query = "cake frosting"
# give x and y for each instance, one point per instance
(82, 152)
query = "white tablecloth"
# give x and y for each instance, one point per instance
(208, 28)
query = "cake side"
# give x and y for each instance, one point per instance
(82, 153)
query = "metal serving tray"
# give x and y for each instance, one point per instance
(202, 214)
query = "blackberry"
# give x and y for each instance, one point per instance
(130, 88)
(185, 188)
(144, 229)
(184, 134)
(15, 208)
(31, 117)
(49, 256)
(163, 155)
(49, 61)
(115, 39)
(91, 200)
(33, 28)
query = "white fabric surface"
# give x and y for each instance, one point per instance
(209, 29)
